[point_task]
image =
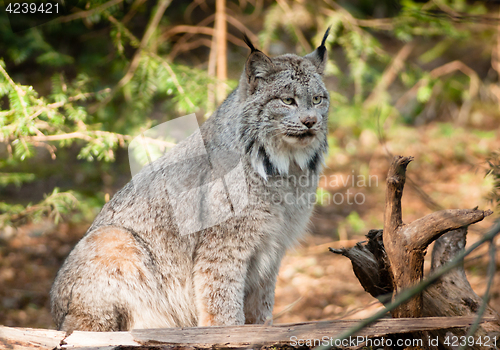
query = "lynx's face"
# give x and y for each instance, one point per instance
(285, 111)
(296, 116)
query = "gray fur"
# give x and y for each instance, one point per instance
(135, 269)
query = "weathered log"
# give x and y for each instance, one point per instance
(308, 334)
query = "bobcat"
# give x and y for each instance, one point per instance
(250, 173)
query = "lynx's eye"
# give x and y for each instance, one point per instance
(317, 100)
(288, 100)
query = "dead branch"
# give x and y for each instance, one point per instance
(225, 337)
(199, 30)
(133, 10)
(437, 72)
(452, 294)
(391, 72)
(176, 48)
(192, 6)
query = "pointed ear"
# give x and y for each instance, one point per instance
(258, 65)
(319, 56)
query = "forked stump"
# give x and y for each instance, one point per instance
(406, 244)
(393, 259)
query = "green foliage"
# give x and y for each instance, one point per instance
(79, 108)
(355, 222)
(54, 206)
(15, 178)
(322, 196)
(78, 91)
(431, 25)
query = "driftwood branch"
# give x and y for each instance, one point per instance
(426, 230)
(392, 260)
(406, 244)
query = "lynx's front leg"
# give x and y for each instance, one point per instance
(261, 284)
(219, 277)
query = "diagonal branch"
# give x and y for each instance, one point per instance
(83, 14)
(424, 231)
(391, 72)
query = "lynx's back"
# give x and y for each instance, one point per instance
(197, 237)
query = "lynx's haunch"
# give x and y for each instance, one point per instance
(252, 185)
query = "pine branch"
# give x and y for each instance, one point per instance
(152, 26)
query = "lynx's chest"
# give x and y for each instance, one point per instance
(289, 201)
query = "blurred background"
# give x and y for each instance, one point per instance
(416, 78)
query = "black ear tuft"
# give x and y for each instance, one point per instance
(258, 65)
(318, 57)
(249, 43)
(325, 36)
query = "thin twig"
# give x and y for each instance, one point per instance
(59, 104)
(44, 205)
(189, 46)
(220, 26)
(286, 309)
(437, 72)
(390, 72)
(51, 148)
(133, 39)
(179, 87)
(132, 11)
(191, 7)
(91, 135)
(241, 27)
(379, 23)
(351, 22)
(199, 30)
(257, 10)
(183, 39)
(160, 59)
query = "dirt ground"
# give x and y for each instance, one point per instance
(313, 283)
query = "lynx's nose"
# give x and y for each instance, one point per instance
(309, 120)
